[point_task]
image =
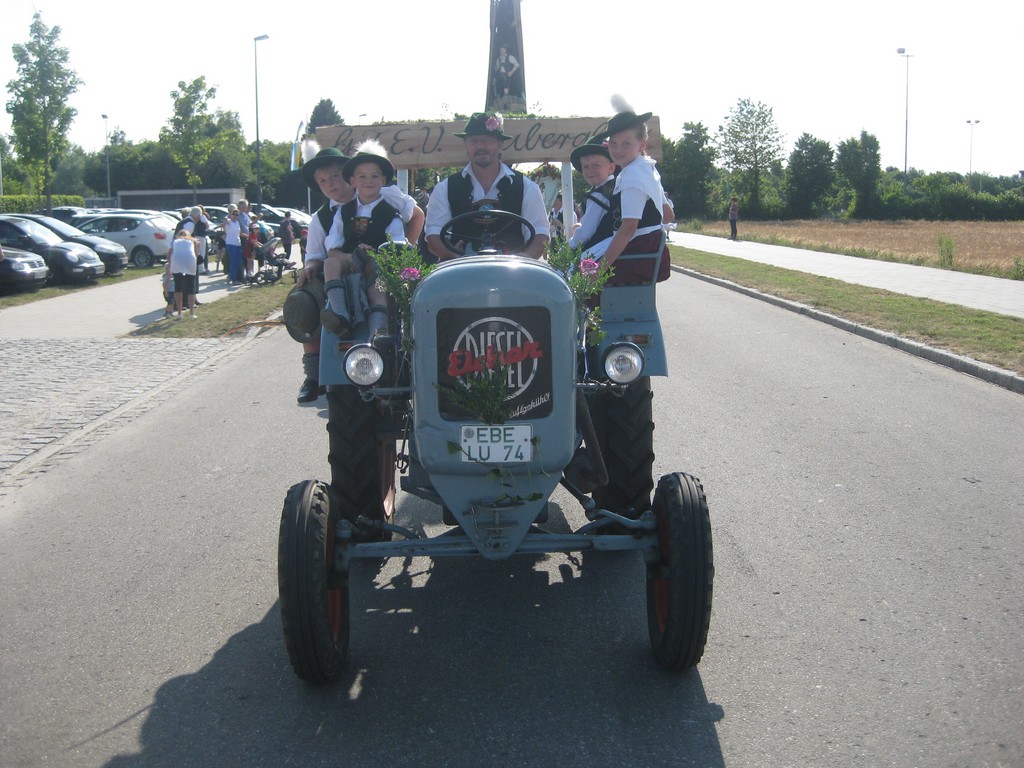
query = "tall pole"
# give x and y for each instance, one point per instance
(970, 161)
(906, 123)
(106, 147)
(256, 72)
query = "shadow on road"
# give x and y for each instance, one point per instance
(453, 662)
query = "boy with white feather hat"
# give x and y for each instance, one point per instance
(638, 200)
(361, 225)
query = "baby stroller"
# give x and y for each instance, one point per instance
(272, 264)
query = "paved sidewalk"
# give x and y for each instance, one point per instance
(105, 312)
(70, 376)
(992, 294)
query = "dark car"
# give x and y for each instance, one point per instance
(67, 261)
(64, 212)
(22, 270)
(113, 255)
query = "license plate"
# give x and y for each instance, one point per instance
(497, 443)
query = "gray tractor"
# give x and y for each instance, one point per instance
(417, 404)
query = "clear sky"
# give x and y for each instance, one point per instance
(828, 69)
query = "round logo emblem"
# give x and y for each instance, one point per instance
(493, 342)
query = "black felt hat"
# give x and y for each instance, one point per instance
(595, 146)
(482, 124)
(325, 156)
(370, 152)
(623, 121)
(302, 311)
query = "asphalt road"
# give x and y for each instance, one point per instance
(869, 537)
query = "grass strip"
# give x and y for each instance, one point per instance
(241, 309)
(985, 336)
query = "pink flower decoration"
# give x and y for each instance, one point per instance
(493, 123)
(588, 267)
(410, 274)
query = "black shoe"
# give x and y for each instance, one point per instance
(310, 391)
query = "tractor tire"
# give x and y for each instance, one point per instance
(362, 459)
(314, 599)
(680, 583)
(625, 431)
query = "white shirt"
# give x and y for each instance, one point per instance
(232, 231)
(439, 212)
(635, 183)
(183, 257)
(592, 216)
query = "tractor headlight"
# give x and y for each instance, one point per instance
(364, 365)
(623, 363)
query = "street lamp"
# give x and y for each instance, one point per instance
(106, 147)
(970, 162)
(256, 71)
(359, 120)
(906, 125)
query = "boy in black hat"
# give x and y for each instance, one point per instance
(638, 200)
(363, 224)
(593, 161)
(486, 182)
(325, 172)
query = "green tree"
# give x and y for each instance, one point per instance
(69, 177)
(38, 103)
(750, 144)
(187, 135)
(323, 114)
(809, 176)
(859, 162)
(687, 169)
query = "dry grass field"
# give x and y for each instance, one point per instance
(995, 248)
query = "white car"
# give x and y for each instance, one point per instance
(146, 237)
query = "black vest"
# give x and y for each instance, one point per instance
(326, 216)
(510, 198)
(360, 230)
(650, 217)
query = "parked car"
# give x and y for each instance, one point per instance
(22, 270)
(216, 213)
(113, 255)
(64, 212)
(273, 217)
(146, 237)
(67, 261)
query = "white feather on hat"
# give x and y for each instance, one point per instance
(619, 103)
(309, 149)
(372, 147)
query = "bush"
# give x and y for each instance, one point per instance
(945, 251)
(30, 203)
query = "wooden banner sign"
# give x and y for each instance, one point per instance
(435, 145)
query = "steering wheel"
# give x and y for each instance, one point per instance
(487, 225)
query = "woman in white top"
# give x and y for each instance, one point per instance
(233, 244)
(183, 269)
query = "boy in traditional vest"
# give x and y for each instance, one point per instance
(593, 161)
(363, 224)
(638, 201)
